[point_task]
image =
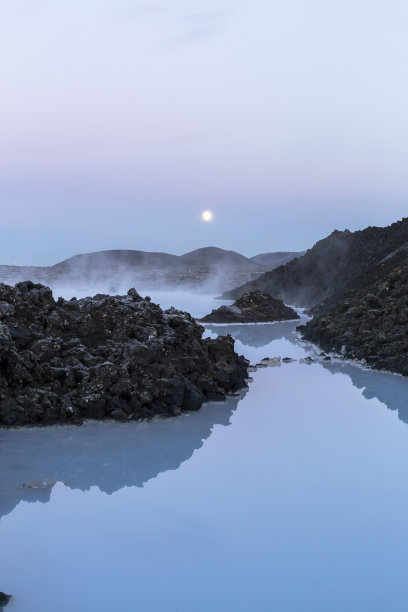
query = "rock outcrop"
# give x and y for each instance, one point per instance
(369, 324)
(356, 284)
(253, 307)
(119, 357)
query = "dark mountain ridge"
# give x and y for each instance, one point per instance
(344, 261)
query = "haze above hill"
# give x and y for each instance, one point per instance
(209, 268)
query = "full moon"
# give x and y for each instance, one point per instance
(207, 215)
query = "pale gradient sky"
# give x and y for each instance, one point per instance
(121, 120)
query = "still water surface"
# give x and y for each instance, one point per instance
(292, 497)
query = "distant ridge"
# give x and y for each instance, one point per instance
(214, 255)
(208, 268)
(116, 258)
(207, 256)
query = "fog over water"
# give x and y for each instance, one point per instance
(288, 497)
(205, 270)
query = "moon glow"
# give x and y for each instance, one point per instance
(207, 215)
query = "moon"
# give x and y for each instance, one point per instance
(207, 215)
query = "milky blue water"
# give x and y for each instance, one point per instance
(292, 497)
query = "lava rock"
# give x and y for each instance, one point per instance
(116, 357)
(253, 307)
(375, 336)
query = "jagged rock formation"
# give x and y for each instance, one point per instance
(117, 357)
(368, 324)
(343, 261)
(253, 307)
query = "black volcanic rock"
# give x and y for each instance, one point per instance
(253, 307)
(369, 324)
(119, 357)
(342, 262)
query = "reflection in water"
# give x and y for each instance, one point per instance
(108, 455)
(259, 334)
(389, 389)
(112, 456)
(298, 487)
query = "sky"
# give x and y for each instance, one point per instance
(122, 120)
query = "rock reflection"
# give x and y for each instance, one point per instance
(389, 389)
(259, 334)
(108, 455)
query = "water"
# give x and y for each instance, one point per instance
(291, 497)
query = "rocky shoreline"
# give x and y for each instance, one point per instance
(356, 285)
(253, 307)
(369, 325)
(115, 357)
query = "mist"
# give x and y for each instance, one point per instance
(203, 272)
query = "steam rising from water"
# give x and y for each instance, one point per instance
(208, 270)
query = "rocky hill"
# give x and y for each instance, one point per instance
(344, 261)
(210, 269)
(119, 357)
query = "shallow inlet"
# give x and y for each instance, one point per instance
(291, 497)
